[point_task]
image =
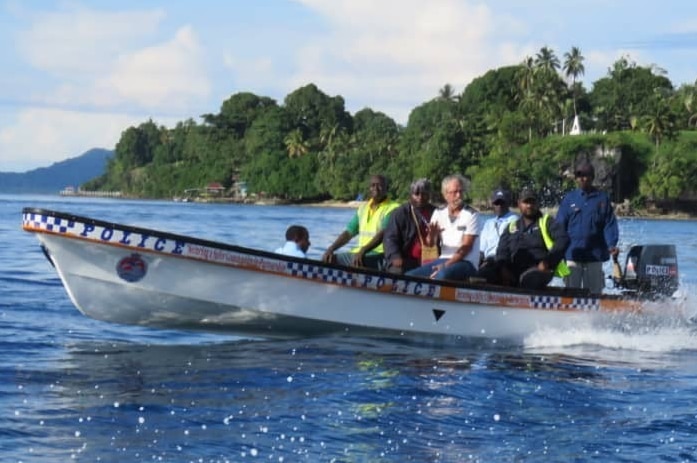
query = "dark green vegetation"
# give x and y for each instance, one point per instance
(509, 126)
(50, 180)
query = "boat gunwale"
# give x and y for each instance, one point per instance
(551, 291)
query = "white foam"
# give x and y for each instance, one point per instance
(659, 339)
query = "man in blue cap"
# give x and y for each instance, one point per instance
(493, 228)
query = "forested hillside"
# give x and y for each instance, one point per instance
(510, 126)
(50, 180)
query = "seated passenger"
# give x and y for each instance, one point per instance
(406, 233)
(494, 227)
(297, 242)
(531, 249)
(455, 229)
(368, 224)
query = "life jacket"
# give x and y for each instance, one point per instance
(561, 270)
(370, 221)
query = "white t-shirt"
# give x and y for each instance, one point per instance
(466, 223)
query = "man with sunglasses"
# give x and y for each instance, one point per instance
(587, 215)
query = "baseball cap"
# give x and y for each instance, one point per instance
(527, 193)
(501, 194)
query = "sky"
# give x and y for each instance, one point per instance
(76, 74)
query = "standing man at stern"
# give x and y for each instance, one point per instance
(589, 219)
(369, 225)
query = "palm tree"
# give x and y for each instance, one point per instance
(659, 124)
(529, 107)
(295, 144)
(526, 77)
(447, 93)
(548, 89)
(546, 59)
(690, 103)
(573, 67)
(328, 133)
(526, 94)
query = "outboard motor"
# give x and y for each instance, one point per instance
(651, 271)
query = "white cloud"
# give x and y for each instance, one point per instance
(598, 63)
(108, 60)
(80, 40)
(169, 75)
(403, 51)
(38, 137)
(104, 72)
(684, 26)
(249, 74)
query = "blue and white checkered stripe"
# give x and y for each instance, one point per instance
(314, 272)
(588, 304)
(48, 223)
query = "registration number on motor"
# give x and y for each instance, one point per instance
(659, 270)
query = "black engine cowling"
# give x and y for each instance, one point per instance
(651, 270)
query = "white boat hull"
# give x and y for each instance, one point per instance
(136, 276)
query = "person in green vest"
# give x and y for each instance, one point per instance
(531, 249)
(368, 224)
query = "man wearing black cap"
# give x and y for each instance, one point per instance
(405, 234)
(493, 228)
(532, 248)
(587, 215)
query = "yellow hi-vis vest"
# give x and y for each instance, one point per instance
(370, 221)
(562, 270)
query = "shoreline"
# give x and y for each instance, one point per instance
(637, 214)
(634, 213)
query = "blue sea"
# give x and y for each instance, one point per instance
(76, 389)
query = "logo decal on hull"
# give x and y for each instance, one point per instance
(438, 313)
(132, 268)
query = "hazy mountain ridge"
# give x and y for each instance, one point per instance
(70, 172)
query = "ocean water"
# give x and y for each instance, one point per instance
(75, 389)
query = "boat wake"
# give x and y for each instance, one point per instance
(664, 327)
(661, 339)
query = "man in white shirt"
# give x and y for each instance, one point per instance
(455, 229)
(297, 242)
(494, 227)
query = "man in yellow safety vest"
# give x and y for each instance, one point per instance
(368, 224)
(531, 249)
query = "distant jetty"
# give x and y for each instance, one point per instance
(70, 191)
